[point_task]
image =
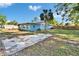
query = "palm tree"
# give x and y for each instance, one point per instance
(45, 11)
(46, 16)
(50, 15)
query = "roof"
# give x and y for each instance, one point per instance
(30, 23)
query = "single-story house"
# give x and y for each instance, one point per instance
(34, 26)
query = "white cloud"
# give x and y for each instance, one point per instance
(3, 5)
(34, 8)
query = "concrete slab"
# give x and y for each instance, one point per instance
(16, 44)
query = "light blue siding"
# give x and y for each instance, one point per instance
(42, 27)
(33, 27)
(29, 27)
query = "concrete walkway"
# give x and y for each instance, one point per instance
(16, 44)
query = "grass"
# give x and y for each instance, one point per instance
(52, 47)
(66, 34)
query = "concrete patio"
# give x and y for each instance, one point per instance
(15, 44)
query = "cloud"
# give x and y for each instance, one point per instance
(34, 8)
(4, 5)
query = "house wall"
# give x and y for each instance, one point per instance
(29, 27)
(42, 27)
(24, 27)
(33, 27)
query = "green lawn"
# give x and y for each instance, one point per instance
(66, 34)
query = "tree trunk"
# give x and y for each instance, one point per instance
(45, 25)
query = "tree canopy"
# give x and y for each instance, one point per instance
(4, 21)
(68, 12)
(46, 15)
(12, 22)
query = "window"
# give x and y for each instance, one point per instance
(23, 26)
(27, 27)
(33, 26)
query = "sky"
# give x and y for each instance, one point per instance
(25, 12)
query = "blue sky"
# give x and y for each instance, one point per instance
(25, 12)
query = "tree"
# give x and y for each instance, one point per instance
(3, 19)
(12, 22)
(45, 11)
(53, 22)
(68, 11)
(50, 15)
(46, 16)
(51, 19)
(42, 16)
